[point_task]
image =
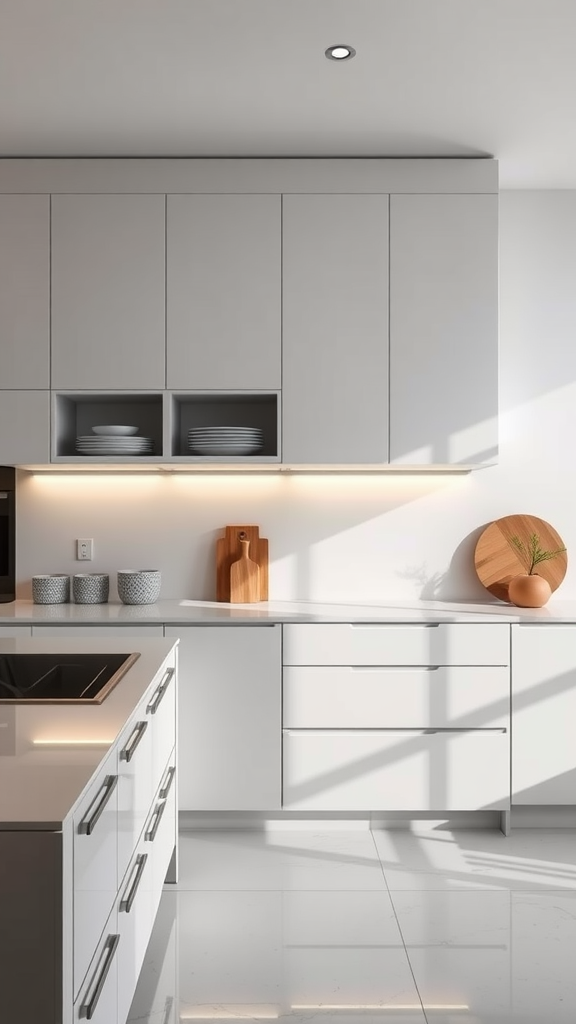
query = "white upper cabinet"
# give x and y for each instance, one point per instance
(223, 292)
(108, 291)
(24, 291)
(335, 329)
(544, 714)
(443, 329)
(24, 427)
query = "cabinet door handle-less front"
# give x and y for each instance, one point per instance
(132, 887)
(128, 752)
(87, 1009)
(150, 835)
(159, 693)
(87, 825)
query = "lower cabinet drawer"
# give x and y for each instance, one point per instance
(95, 865)
(340, 697)
(135, 786)
(135, 921)
(400, 770)
(161, 712)
(161, 831)
(97, 1000)
(452, 643)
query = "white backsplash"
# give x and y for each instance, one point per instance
(357, 537)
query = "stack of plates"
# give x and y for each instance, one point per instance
(111, 444)
(225, 440)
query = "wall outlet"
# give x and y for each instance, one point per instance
(85, 549)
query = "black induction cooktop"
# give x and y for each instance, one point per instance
(60, 678)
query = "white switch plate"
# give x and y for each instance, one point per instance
(85, 549)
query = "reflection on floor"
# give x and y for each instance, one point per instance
(365, 927)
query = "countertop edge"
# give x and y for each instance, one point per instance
(181, 612)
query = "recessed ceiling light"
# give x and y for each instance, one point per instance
(340, 52)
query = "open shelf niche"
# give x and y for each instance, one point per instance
(74, 414)
(211, 409)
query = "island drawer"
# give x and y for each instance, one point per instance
(404, 644)
(95, 864)
(395, 770)
(333, 697)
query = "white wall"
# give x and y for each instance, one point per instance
(360, 537)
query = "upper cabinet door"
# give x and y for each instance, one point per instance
(24, 291)
(108, 291)
(24, 427)
(223, 292)
(443, 329)
(335, 329)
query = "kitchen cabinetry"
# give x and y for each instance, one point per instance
(24, 291)
(24, 427)
(79, 902)
(396, 717)
(353, 301)
(223, 281)
(108, 284)
(335, 329)
(443, 329)
(544, 713)
(8, 631)
(229, 717)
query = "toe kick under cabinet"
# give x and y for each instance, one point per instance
(396, 717)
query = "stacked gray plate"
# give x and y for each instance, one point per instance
(225, 440)
(88, 444)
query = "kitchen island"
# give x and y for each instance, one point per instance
(87, 835)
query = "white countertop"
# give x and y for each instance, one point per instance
(39, 785)
(186, 612)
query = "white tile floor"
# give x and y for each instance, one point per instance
(373, 927)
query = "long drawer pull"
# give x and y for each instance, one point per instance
(132, 887)
(88, 824)
(128, 752)
(87, 1009)
(394, 625)
(160, 692)
(394, 668)
(168, 784)
(386, 731)
(150, 835)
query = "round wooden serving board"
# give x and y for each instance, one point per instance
(496, 560)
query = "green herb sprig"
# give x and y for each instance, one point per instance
(532, 554)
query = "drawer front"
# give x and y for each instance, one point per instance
(378, 697)
(97, 1000)
(376, 644)
(403, 770)
(161, 714)
(95, 865)
(161, 831)
(135, 921)
(135, 786)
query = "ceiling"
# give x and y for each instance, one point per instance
(249, 78)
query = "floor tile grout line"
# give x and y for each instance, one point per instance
(410, 968)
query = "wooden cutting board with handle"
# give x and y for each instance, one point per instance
(244, 577)
(228, 550)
